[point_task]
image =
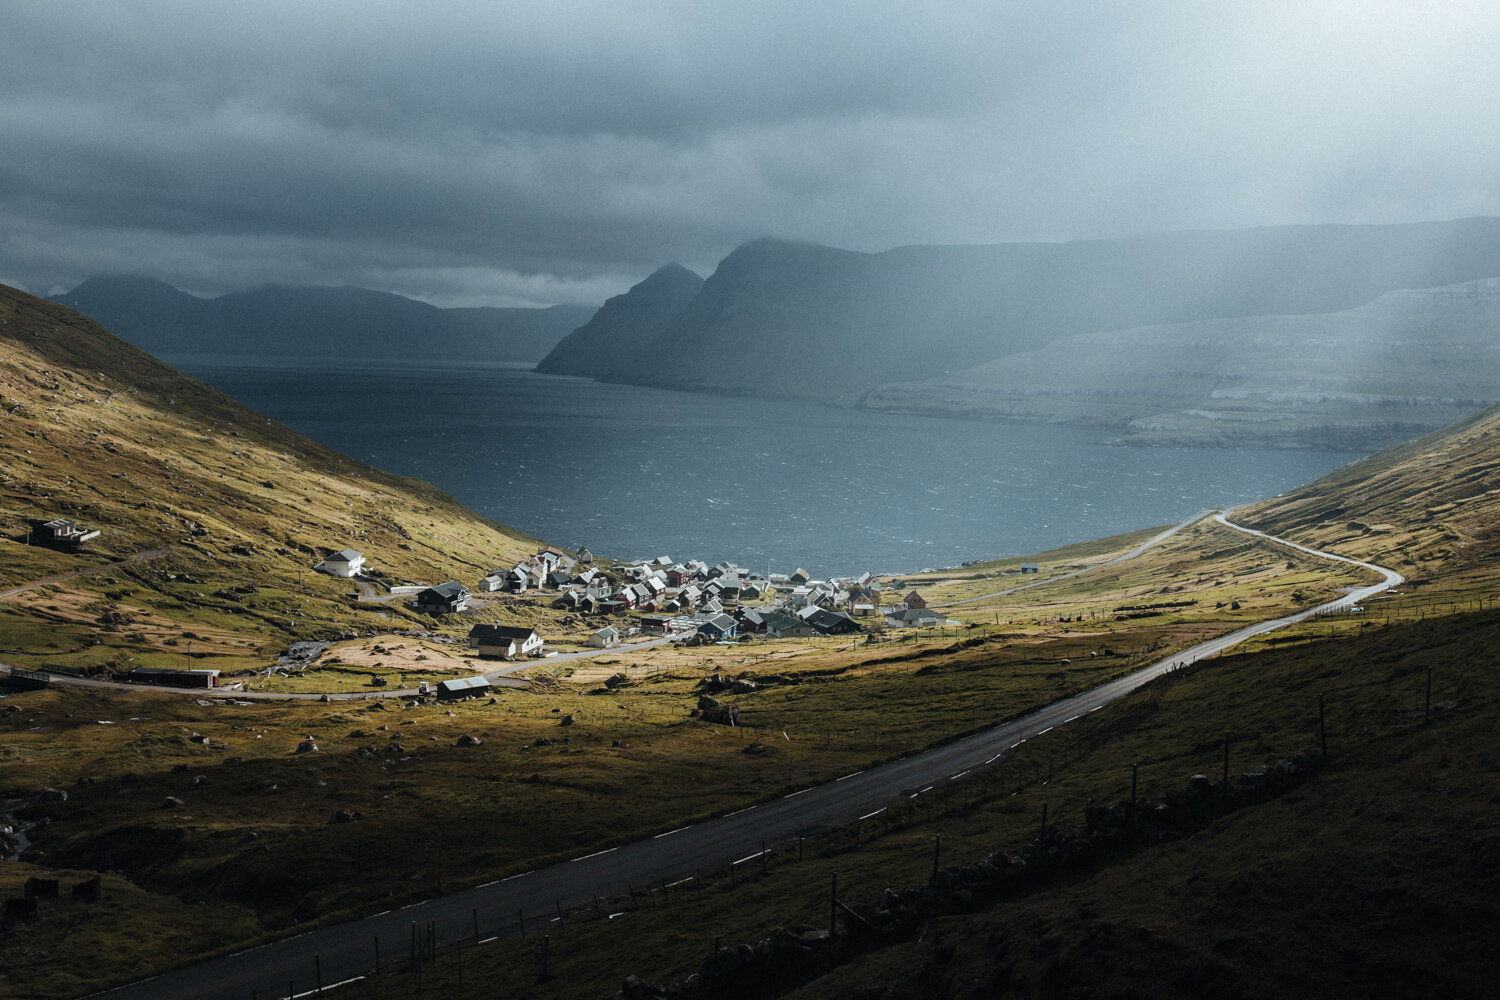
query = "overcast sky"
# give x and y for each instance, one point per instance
(530, 153)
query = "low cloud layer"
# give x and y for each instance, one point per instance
(470, 153)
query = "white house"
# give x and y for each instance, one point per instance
(345, 563)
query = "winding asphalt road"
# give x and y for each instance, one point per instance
(348, 951)
(1149, 543)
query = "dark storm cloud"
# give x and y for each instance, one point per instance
(474, 152)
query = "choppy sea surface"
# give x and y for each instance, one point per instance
(636, 472)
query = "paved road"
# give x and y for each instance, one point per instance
(1155, 540)
(499, 677)
(348, 951)
(85, 571)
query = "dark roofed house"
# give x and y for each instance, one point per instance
(719, 627)
(913, 600)
(799, 576)
(505, 642)
(61, 533)
(780, 625)
(913, 618)
(829, 622)
(445, 598)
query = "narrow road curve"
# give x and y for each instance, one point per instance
(1138, 550)
(85, 571)
(347, 951)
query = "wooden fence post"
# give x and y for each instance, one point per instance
(833, 905)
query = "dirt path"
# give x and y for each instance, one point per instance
(85, 571)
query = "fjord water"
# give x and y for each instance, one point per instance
(637, 472)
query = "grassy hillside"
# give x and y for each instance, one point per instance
(99, 431)
(1376, 876)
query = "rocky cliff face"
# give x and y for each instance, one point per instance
(1361, 378)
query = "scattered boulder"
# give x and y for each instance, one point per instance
(567, 720)
(467, 740)
(345, 816)
(307, 746)
(756, 749)
(172, 802)
(724, 715)
(706, 702)
(52, 795)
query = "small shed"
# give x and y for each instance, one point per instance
(605, 637)
(1030, 568)
(463, 687)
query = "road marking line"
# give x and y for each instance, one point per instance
(1073, 719)
(670, 832)
(1014, 745)
(749, 857)
(680, 881)
(1047, 730)
(738, 811)
(522, 875)
(489, 939)
(795, 794)
(960, 774)
(919, 792)
(596, 854)
(877, 812)
(848, 776)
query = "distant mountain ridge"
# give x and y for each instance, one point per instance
(638, 316)
(802, 320)
(280, 322)
(1363, 378)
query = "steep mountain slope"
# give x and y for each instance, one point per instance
(1403, 364)
(625, 325)
(99, 431)
(1431, 505)
(278, 322)
(795, 319)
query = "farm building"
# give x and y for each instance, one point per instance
(505, 642)
(1030, 568)
(60, 533)
(913, 600)
(463, 687)
(174, 678)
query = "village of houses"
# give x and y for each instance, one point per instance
(690, 603)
